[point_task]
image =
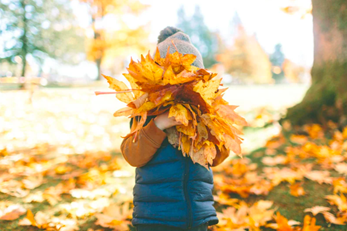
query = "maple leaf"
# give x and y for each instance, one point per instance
(207, 90)
(310, 224)
(234, 218)
(240, 216)
(315, 130)
(274, 160)
(43, 221)
(299, 139)
(117, 85)
(341, 168)
(32, 182)
(12, 212)
(277, 175)
(282, 223)
(275, 142)
(260, 213)
(339, 201)
(227, 112)
(317, 209)
(297, 190)
(40, 220)
(340, 185)
(225, 199)
(319, 176)
(204, 155)
(190, 94)
(13, 188)
(34, 197)
(180, 113)
(114, 216)
(329, 217)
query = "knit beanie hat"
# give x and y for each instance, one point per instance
(182, 43)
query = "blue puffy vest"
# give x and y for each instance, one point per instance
(171, 190)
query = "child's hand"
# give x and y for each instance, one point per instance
(163, 122)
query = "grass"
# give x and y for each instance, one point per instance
(290, 206)
(246, 96)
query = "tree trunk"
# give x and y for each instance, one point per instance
(326, 99)
(98, 38)
(24, 41)
(99, 53)
(98, 66)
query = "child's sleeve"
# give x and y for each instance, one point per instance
(220, 156)
(142, 150)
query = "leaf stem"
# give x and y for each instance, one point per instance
(115, 92)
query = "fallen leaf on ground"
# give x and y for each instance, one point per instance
(297, 190)
(317, 209)
(115, 216)
(310, 224)
(12, 212)
(341, 168)
(339, 201)
(282, 223)
(329, 217)
(319, 176)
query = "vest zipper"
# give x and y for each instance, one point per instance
(186, 172)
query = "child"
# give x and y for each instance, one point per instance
(171, 192)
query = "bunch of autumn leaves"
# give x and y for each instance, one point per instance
(190, 94)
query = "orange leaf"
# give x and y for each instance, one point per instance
(297, 190)
(282, 223)
(310, 224)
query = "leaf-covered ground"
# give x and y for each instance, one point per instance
(60, 169)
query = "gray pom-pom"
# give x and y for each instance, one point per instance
(167, 32)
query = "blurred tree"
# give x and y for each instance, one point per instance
(40, 29)
(326, 99)
(236, 26)
(182, 21)
(244, 58)
(277, 59)
(293, 72)
(202, 38)
(120, 36)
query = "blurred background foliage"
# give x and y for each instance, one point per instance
(38, 29)
(68, 41)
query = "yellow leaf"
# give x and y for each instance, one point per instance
(188, 59)
(133, 85)
(208, 89)
(117, 85)
(187, 130)
(180, 113)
